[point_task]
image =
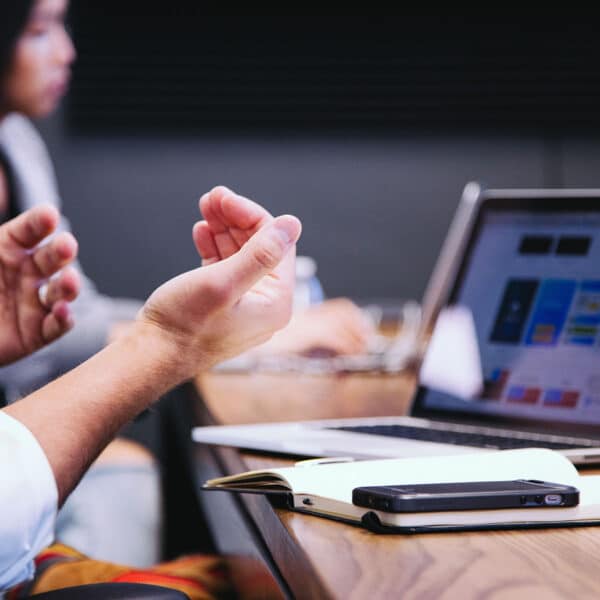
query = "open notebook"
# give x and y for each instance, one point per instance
(325, 489)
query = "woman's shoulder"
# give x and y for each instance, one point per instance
(29, 160)
(17, 130)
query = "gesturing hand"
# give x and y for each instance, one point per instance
(34, 309)
(241, 295)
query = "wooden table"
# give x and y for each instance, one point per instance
(318, 558)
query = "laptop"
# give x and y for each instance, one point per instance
(524, 265)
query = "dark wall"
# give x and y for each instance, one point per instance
(147, 66)
(374, 210)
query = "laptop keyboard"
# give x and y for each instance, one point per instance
(464, 438)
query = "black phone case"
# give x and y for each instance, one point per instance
(384, 498)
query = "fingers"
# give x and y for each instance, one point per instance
(352, 320)
(58, 293)
(28, 229)
(53, 256)
(241, 211)
(342, 337)
(57, 322)
(223, 208)
(65, 288)
(228, 236)
(225, 243)
(205, 243)
(337, 326)
(340, 346)
(264, 254)
(232, 219)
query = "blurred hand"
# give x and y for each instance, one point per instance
(34, 309)
(334, 327)
(240, 296)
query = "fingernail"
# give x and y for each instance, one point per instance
(288, 229)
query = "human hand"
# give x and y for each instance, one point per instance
(35, 286)
(239, 297)
(336, 327)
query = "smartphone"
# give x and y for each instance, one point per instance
(476, 495)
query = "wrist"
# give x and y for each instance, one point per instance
(159, 351)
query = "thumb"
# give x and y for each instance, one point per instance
(264, 253)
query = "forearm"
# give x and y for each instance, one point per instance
(74, 417)
(189, 323)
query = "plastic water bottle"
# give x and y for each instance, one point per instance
(308, 288)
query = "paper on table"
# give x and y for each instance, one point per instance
(452, 361)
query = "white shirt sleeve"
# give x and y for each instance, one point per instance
(28, 501)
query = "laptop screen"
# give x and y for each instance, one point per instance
(531, 282)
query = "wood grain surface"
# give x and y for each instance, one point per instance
(320, 558)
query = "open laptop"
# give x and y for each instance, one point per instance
(525, 264)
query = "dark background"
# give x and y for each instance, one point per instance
(365, 127)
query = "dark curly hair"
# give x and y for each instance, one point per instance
(13, 18)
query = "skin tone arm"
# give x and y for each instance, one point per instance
(236, 300)
(29, 321)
